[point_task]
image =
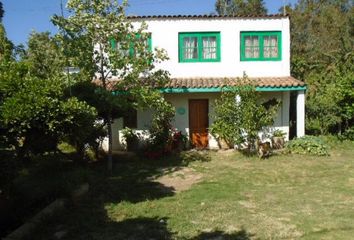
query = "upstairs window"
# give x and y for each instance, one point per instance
(199, 47)
(261, 46)
(131, 50)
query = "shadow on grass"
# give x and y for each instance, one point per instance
(220, 235)
(127, 183)
(93, 223)
(98, 215)
(79, 226)
(132, 177)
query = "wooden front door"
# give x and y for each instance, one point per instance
(198, 122)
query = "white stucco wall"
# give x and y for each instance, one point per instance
(281, 120)
(164, 34)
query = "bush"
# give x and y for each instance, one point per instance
(241, 113)
(349, 134)
(278, 133)
(308, 145)
(131, 139)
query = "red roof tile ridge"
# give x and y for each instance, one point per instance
(208, 16)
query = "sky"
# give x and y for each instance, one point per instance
(24, 16)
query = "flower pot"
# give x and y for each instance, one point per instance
(223, 144)
(278, 142)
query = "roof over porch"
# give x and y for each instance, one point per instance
(218, 84)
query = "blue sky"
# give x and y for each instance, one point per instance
(23, 16)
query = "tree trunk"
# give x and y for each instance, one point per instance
(110, 144)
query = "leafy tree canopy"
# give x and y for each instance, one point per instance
(6, 46)
(240, 7)
(1, 11)
(107, 45)
(322, 50)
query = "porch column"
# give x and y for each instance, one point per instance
(300, 114)
(285, 108)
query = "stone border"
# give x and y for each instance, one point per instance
(59, 204)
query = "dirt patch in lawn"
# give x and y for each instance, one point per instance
(180, 179)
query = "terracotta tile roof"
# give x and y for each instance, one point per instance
(216, 82)
(213, 82)
(207, 16)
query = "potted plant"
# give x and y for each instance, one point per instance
(278, 139)
(221, 134)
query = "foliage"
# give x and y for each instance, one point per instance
(322, 55)
(6, 46)
(36, 114)
(178, 141)
(278, 133)
(1, 11)
(308, 145)
(93, 25)
(349, 133)
(161, 128)
(131, 139)
(240, 114)
(43, 56)
(240, 7)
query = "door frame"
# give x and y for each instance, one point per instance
(207, 117)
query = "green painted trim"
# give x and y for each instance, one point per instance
(260, 35)
(219, 89)
(278, 89)
(113, 43)
(190, 90)
(199, 36)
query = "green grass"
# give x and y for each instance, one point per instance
(283, 197)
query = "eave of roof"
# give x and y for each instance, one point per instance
(218, 84)
(215, 84)
(207, 16)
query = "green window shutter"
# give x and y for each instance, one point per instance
(261, 46)
(113, 43)
(131, 50)
(149, 43)
(199, 47)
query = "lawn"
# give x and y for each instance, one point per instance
(219, 195)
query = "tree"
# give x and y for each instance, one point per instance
(118, 49)
(36, 113)
(1, 11)
(240, 114)
(323, 56)
(36, 110)
(240, 7)
(6, 46)
(43, 55)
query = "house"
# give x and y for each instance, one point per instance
(205, 52)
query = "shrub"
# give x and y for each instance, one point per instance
(279, 133)
(308, 145)
(176, 142)
(349, 134)
(131, 139)
(241, 113)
